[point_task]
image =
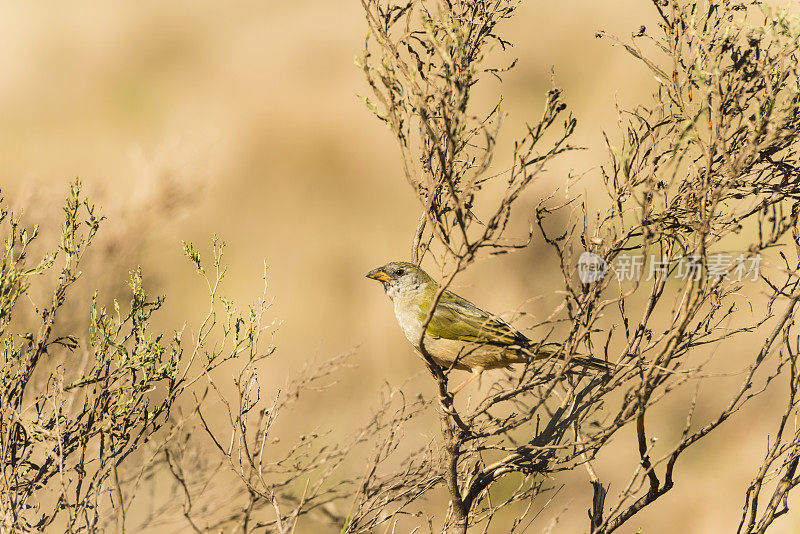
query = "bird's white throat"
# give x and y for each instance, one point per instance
(406, 309)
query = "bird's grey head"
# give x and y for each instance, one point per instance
(399, 277)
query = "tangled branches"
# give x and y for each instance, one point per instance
(711, 162)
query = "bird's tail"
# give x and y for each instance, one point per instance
(590, 362)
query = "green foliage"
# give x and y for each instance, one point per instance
(72, 416)
(77, 405)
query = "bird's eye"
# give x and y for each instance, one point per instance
(400, 272)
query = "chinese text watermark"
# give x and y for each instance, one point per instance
(633, 268)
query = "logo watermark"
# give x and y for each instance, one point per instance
(633, 268)
(591, 267)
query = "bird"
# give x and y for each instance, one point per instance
(460, 335)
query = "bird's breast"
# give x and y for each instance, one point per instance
(408, 318)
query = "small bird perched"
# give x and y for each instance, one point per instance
(459, 335)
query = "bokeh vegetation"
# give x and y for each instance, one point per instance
(124, 411)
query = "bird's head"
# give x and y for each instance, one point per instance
(401, 277)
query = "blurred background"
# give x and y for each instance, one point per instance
(189, 119)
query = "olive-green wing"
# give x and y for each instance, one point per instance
(457, 318)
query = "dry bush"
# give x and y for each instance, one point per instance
(711, 161)
(112, 425)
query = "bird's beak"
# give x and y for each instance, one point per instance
(378, 274)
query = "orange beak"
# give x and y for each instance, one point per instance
(378, 274)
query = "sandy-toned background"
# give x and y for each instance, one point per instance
(191, 118)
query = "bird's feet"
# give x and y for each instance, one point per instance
(473, 376)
